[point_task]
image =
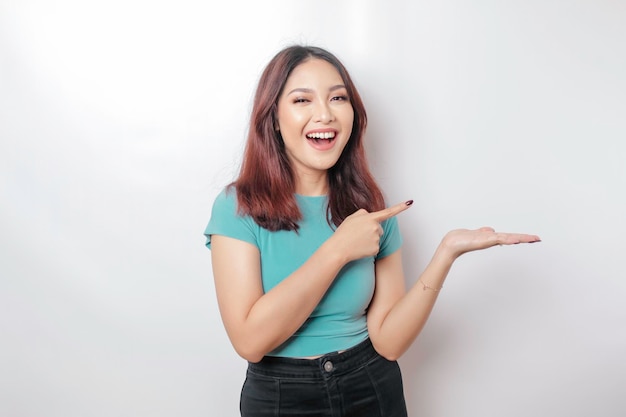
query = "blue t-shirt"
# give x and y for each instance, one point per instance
(339, 320)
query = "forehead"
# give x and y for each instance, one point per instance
(314, 72)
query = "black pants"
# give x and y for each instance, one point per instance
(357, 382)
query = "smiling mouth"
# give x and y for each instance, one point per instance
(321, 137)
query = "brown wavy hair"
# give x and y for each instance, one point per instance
(266, 184)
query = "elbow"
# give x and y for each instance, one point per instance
(252, 358)
(390, 356)
(249, 353)
(248, 345)
(387, 352)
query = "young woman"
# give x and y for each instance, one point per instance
(306, 256)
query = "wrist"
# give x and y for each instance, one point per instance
(334, 252)
(445, 253)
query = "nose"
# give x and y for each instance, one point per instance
(323, 113)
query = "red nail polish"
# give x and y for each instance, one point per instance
(408, 203)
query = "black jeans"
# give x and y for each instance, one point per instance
(357, 382)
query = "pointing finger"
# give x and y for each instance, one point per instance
(389, 212)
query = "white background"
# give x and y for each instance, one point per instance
(120, 121)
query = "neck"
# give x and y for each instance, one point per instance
(312, 185)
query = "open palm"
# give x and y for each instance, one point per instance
(461, 241)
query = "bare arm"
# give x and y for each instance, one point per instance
(396, 317)
(257, 323)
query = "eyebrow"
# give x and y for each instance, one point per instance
(308, 90)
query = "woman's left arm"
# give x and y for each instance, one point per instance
(396, 316)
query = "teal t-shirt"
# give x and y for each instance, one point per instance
(339, 320)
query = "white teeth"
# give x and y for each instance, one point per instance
(321, 135)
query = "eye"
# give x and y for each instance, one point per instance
(300, 100)
(340, 98)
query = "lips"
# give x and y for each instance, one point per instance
(322, 139)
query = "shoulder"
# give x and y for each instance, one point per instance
(226, 203)
(225, 219)
(226, 197)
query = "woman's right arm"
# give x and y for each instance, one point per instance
(257, 323)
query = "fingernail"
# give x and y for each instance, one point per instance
(408, 203)
(535, 241)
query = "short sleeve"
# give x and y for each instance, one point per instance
(227, 222)
(391, 240)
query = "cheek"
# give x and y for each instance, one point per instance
(291, 119)
(348, 119)
(347, 113)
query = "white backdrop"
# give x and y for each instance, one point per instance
(120, 121)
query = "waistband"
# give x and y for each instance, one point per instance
(331, 363)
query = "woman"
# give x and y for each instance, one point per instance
(306, 258)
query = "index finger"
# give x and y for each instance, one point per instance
(389, 212)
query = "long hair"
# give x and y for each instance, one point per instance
(266, 185)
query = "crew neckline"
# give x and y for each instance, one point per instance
(311, 196)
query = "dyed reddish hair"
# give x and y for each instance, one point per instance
(266, 185)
